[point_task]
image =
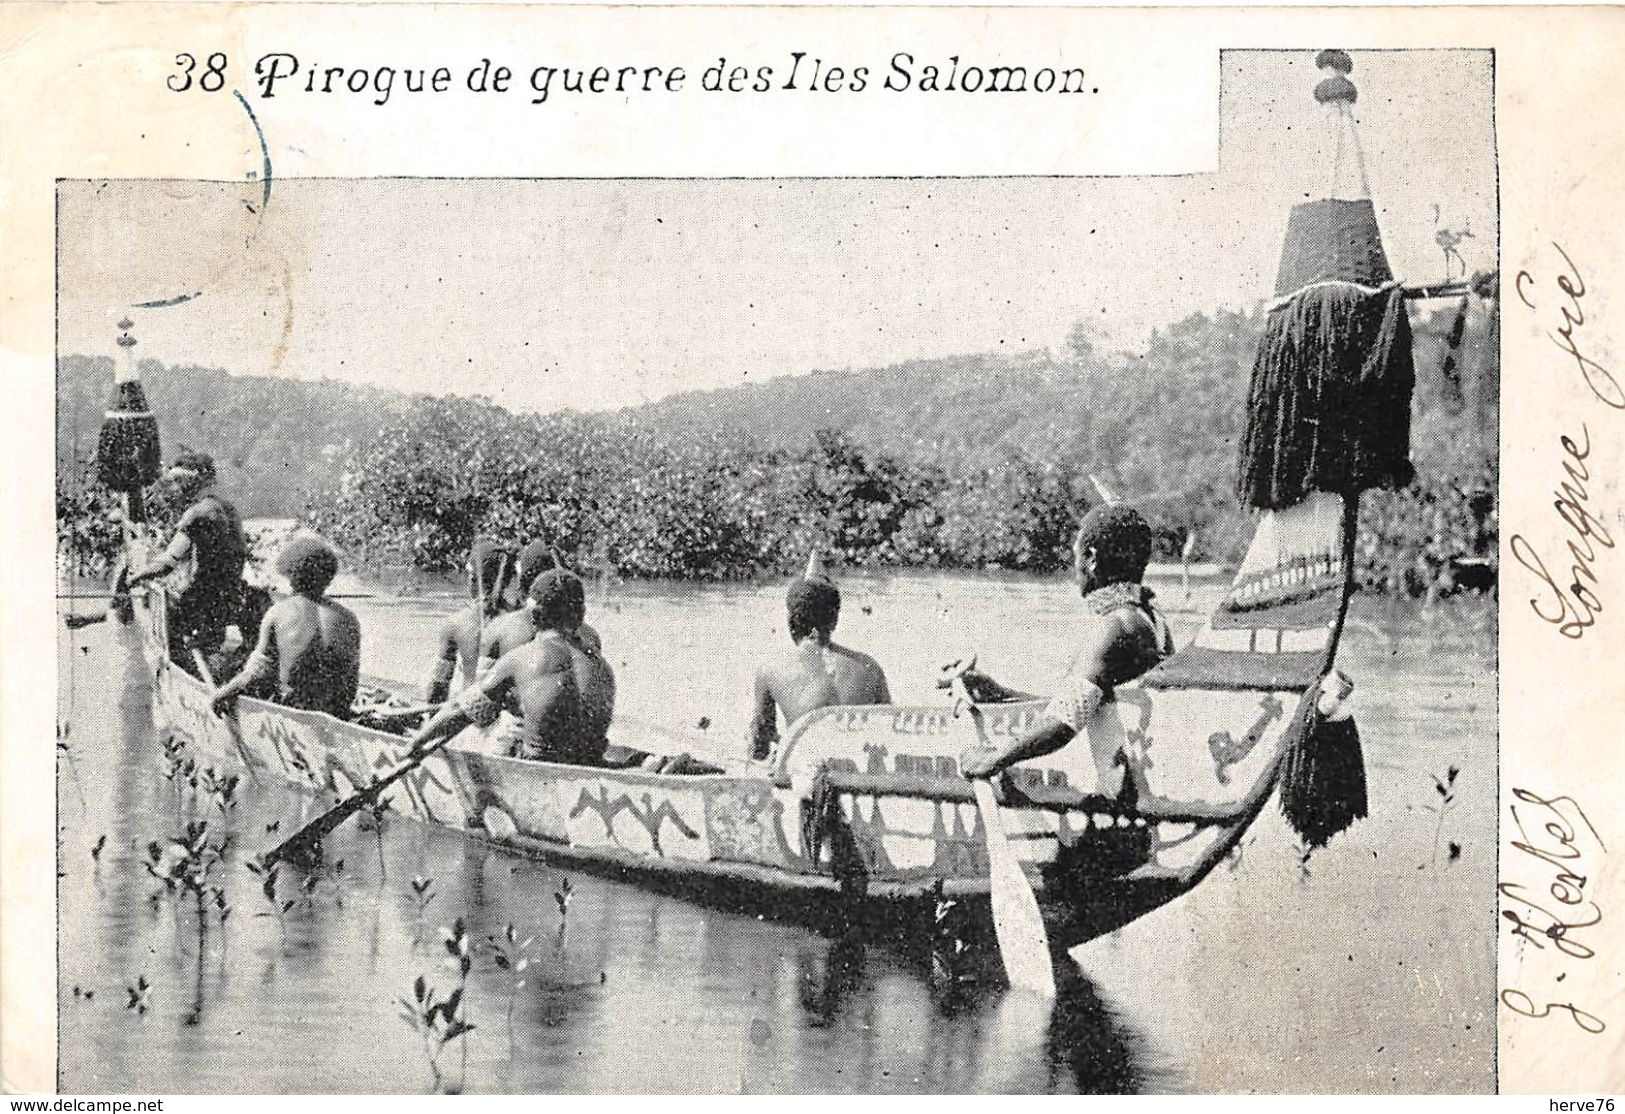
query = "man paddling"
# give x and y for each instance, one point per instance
(457, 642)
(560, 688)
(209, 541)
(118, 602)
(817, 671)
(309, 647)
(512, 629)
(1123, 635)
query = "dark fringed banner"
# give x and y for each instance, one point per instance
(127, 451)
(1323, 789)
(1329, 406)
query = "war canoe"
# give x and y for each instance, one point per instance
(867, 802)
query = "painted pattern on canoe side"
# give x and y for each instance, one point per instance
(748, 822)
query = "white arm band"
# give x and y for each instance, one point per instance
(477, 706)
(1076, 703)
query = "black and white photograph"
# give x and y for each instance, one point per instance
(927, 635)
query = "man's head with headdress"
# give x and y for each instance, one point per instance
(558, 600)
(1113, 546)
(489, 565)
(191, 474)
(812, 602)
(309, 563)
(534, 559)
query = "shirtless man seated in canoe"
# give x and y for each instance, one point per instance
(309, 651)
(1122, 635)
(457, 642)
(209, 544)
(561, 690)
(512, 629)
(817, 672)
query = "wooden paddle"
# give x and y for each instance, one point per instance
(1017, 921)
(207, 674)
(653, 740)
(75, 620)
(304, 846)
(386, 714)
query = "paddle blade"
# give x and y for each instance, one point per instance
(1023, 940)
(304, 847)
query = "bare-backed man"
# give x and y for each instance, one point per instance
(512, 629)
(561, 689)
(457, 642)
(817, 671)
(1121, 636)
(309, 647)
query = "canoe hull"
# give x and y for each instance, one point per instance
(900, 830)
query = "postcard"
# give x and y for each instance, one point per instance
(651, 550)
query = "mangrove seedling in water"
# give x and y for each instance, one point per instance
(221, 789)
(459, 948)
(179, 770)
(422, 894)
(373, 817)
(184, 863)
(562, 897)
(436, 1022)
(64, 728)
(511, 956)
(185, 866)
(139, 994)
(279, 906)
(1445, 789)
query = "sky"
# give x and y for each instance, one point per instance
(550, 294)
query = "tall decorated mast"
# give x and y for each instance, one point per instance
(1328, 416)
(1330, 399)
(128, 455)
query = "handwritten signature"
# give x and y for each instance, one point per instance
(1572, 608)
(1559, 842)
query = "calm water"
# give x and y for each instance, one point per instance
(1372, 971)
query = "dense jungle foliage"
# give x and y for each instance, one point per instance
(965, 462)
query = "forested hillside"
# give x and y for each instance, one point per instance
(276, 441)
(970, 461)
